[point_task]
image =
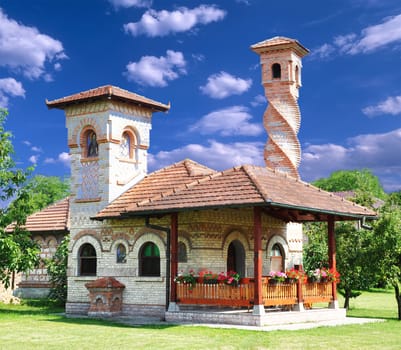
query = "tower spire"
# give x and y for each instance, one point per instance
(281, 63)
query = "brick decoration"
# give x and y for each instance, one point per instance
(106, 297)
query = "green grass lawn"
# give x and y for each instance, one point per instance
(44, 327)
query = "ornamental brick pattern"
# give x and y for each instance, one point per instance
(281, 69)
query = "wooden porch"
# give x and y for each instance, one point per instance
(242, 295)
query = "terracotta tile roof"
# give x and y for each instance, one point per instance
(107, 92)
(156, 183)
(53, 218)
(173, 189)
(105, 282)
(279, 42)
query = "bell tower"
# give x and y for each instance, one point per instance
(108, 137)
(281, 63)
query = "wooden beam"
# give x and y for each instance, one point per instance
(332, 250)
(174, 256)
(257, 251)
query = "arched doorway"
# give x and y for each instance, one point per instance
(236, 257)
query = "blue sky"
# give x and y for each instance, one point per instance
(197, 56)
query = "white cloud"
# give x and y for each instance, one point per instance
(34, 159)
(258, 100)
(131, 3)
(63, 158)
(229, 121)
(371, 38)
(161, 23)
(25, 49)
(157, 71)
(378, 152)
(10, 87)
(392, 105)
(216, 155)
(223, 84)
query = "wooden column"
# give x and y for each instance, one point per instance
(174, 256)
(332, 251)
(257, 251)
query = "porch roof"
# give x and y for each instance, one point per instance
(53, 218)
(178, 188)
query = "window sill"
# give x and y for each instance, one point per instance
(149, 279)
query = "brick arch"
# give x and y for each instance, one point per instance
(87, 235)
(185, 237)
(149, 236)
(235, 234)
(277, 239)
(77, 134)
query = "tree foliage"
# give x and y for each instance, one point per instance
(387, 259)
(41, 191)
(354, 246)
(18, 252)
(57, 270)
(362, 183)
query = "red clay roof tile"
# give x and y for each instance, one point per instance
(174, 189)
(107, 92)
(53, 218)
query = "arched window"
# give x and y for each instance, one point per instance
(276, 71)
(87, 260)
(92, 148)
(149, 260)
(121, 254)
(182, 252)
(297, 75)
(126, 145)
(277, 258)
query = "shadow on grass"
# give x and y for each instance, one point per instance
(32, 307)
(158, 324)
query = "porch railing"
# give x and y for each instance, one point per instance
(242, 295)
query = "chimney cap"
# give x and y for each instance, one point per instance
(280, 43)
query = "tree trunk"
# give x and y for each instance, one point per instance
(398, 298)
(347, 297)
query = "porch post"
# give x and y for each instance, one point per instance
(332, 258)
(173, 306)
(258, 307)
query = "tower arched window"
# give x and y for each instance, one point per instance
(91, 145)
(127, 145)
(149, 260)
(87, 260)
(276, 71)
(297, 75)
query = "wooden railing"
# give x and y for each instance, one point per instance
(242, 295)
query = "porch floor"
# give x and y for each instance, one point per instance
(273, 319)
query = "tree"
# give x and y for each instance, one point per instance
(41, 191)
(315, 253)
(57, 270)
(360, 182)
(387, 259)
(354, 247)
(18, 252)
(354, 250)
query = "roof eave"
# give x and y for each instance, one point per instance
(323, 211)
(64, 104)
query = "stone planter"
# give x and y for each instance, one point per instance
(106, 297)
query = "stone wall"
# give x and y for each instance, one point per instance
(206, 235)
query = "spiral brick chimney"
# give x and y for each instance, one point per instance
(281, 63)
